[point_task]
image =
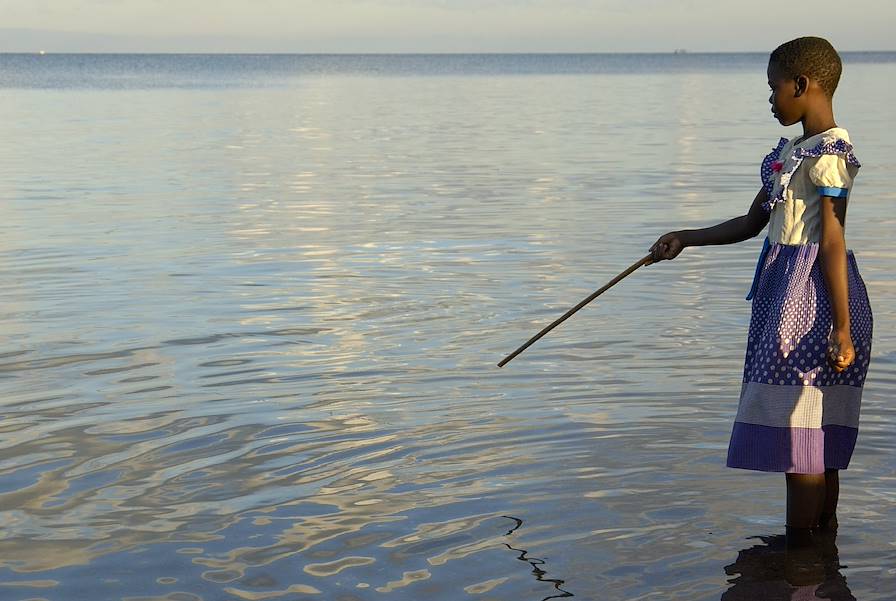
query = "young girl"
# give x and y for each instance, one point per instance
(809, 341)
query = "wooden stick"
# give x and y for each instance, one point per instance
(645, 261)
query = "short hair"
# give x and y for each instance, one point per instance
(812, 57)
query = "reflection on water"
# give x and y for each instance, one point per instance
(771, 572)
(537, 565)
(249, 334)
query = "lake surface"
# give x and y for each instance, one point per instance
(252, 308)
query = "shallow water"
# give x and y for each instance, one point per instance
(252, 309)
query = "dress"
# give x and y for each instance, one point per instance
(796, 413)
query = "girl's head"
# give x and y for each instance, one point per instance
(802, 73)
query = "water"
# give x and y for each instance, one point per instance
(252, 307)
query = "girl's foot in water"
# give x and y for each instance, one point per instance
(827, 522)
(799, 538)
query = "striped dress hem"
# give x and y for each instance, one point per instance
(796, 414)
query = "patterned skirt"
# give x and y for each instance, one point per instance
(796, 413)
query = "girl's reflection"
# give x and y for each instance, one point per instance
(771, 572)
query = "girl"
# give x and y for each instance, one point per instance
(809, 341)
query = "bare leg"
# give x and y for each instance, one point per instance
(828, 518)
(805, 501)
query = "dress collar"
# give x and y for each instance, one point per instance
(834, 133)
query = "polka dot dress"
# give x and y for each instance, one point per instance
(796, 413)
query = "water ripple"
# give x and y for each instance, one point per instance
(253, 356)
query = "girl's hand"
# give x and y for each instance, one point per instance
(841, 352)
(667, 247)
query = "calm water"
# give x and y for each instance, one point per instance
(252, 306)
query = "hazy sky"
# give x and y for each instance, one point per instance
(438, 25)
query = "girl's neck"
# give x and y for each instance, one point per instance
(818, 122)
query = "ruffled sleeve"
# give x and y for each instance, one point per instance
(831, 176)
(833, 158)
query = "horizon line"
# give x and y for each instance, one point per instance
(676, 52)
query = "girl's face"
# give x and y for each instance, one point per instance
(785, 97)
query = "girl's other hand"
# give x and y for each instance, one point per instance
(667, 247)
(841, 352)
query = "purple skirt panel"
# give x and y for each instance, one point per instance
(796, 450)
(797, 414)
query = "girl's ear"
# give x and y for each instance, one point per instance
(801, 83)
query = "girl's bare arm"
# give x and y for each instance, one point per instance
(832, 252)
(734, 230)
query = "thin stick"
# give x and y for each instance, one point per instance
(645, 261)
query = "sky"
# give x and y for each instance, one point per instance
(349, 26)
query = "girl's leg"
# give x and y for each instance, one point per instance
(828, 517)
(805, 501)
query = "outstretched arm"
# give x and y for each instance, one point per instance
(734, 230)
(832, 252)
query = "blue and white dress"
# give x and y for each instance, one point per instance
(796, 413)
